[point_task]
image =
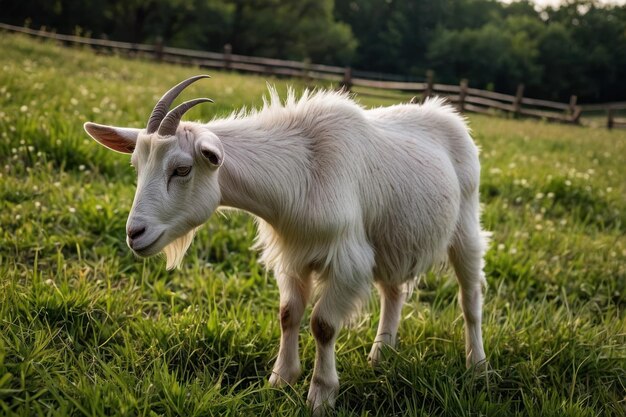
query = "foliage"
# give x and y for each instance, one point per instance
(258, 27)
(578, 48)
(266, 28)
(502, 58)
(555, 54)
(86, 329)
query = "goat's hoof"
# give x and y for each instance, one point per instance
(478, 365)
(376, 355)
(380, 349)
(281, 378)
(321, 398)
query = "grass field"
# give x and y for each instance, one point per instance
(87, 329)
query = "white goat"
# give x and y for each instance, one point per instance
(344, 197)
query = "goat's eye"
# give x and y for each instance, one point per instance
(182, 171)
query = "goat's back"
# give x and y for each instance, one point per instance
(423, 165)
(393, 179)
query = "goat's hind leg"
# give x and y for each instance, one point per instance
(466, 254)
(294, 295)
(392, 298)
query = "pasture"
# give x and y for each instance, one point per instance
(87, 329)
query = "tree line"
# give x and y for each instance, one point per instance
(578, 47)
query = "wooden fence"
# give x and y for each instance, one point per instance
(362, 82)
(610, 110)
(481, 101)
(614, 121)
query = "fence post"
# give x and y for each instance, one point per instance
(158, 49)
(228, 50)
(574, 111)
(104, 37)
(306, 68)
(430, 75)
(610, 122)
(462, 95)
(572, 103)
(346, 84)
(519, 97)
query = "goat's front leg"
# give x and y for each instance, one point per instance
(294, 295)
(392, 298)
(342, 291)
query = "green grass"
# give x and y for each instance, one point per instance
(87, 329)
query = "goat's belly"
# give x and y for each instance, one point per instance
(415, 231)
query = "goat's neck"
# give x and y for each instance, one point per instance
(264, 171)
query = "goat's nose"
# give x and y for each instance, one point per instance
(135, 232)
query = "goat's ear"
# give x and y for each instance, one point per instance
(118, 139)
(211, 149)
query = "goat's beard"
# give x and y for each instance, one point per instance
(175, 251)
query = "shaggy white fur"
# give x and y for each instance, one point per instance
(345, 198)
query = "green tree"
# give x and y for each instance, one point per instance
(490, 57)
(293, 29)
(576, 48)
(560, 57)
(394, 35)
(599, 33)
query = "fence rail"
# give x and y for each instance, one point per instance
(391, 86)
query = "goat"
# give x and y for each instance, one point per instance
(344, 197)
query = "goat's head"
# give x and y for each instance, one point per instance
(177, 184)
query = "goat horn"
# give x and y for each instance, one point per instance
(163, 105)
(170, 123)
